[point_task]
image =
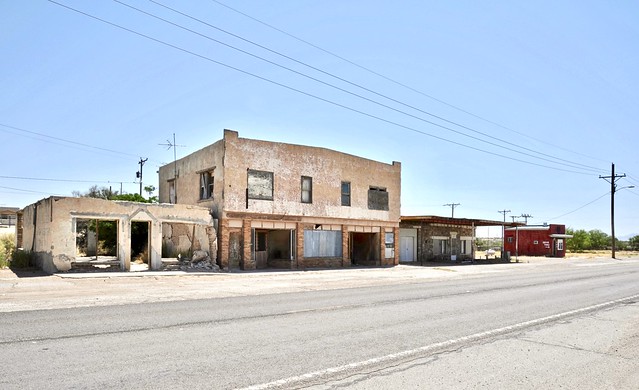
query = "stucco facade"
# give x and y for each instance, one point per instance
(290, 206)
(48, 229)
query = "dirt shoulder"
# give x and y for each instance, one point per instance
(33, 290)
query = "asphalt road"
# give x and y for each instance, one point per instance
(571, 327)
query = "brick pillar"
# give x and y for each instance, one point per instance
(248, 262)
(223, 250)
(346, 256)
(299, 249)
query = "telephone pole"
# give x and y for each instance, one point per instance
(525, 217)
(612, 179)
(452, 207)
(503, 231)
(138, 174)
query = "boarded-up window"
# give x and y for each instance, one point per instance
(307, 189)
(377, 199)
(322, 243)
(346, 193)
(260, 185)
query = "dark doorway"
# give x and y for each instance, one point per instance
(365, 248)
(140, 259)
(273, 248)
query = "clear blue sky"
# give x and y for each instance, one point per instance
(548, 89)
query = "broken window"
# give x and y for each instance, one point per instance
(307, 189)
(260, 184)
(377, 198)
(346, 193)
(206, 185)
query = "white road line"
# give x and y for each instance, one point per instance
(434, 347)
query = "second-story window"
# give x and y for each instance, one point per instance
(206, 185)
(346, 193)
(377, 198)
(307, 189)
(260, 184)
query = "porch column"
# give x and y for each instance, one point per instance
(346, 256)
(249, 262)
(155, 252)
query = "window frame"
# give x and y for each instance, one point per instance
(206, 185)
(346, 194)
(257, 174)
(378, 202)
(308, 191)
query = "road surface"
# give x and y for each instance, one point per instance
(571, 326)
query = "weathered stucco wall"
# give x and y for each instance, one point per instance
(327, 168)
(188, 177)
(49, 227)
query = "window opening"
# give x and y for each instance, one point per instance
(307, 189)
(346, 193)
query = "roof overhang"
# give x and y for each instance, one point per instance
(561, 236)
(432, 219)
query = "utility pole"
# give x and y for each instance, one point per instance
(612, 179)
(503, 231)
(525, 217)
(138, 174)
(452, 207)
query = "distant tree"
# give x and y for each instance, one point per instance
(599, 239)
(130, 197)
(106, 193)
(580, 240)
(633, 243)
(96, 192)
(150, 189)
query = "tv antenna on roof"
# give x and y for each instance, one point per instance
(173, 145)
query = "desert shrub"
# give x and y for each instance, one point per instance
(7, 247)
(22, 259)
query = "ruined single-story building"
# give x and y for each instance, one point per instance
(8, 219)
(63, 232)
(290, 206)
(536, 240)
(435, 238)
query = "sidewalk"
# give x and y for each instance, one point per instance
(30, 290)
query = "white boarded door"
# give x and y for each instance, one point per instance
(407, 252)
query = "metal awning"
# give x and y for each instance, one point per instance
(561, 236)
(456, 221)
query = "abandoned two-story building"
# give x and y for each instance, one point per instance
(290, 206)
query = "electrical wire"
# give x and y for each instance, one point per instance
(570, 163)
(67, 141)
(579, 208)
(309, 94)
(66, 180)
(333, 54)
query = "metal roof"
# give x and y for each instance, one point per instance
(456, 221)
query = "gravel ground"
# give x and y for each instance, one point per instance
(33, 290)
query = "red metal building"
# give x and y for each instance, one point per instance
(539, 240)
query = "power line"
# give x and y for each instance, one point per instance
(578, 208)
(400, 83)
(315, 96)
(66, 140)
(65, 180)
(564, 161)
(574, 164)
